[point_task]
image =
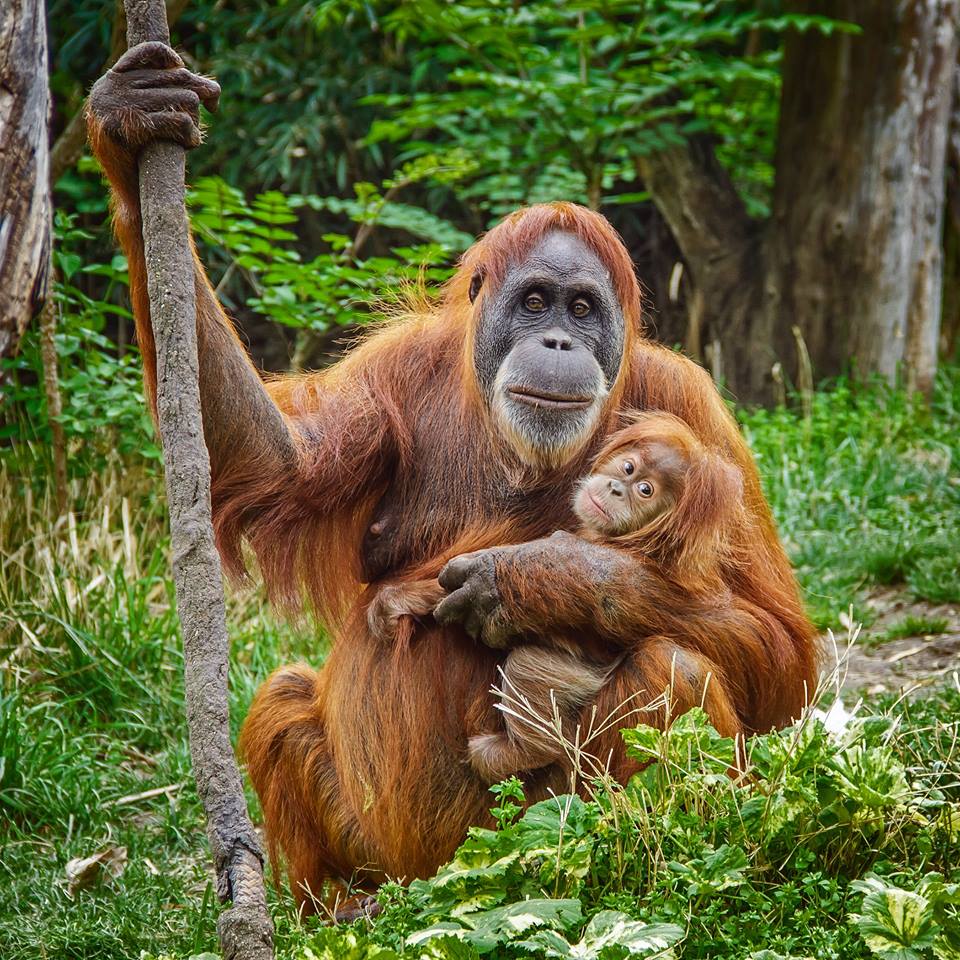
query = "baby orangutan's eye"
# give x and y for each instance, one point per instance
(628, 467)
(645, 489)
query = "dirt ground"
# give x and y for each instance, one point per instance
(876, 665)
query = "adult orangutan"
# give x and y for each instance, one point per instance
(485, 407)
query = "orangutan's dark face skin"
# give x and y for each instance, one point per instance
(548, 348)
(630, 490)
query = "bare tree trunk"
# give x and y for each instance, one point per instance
(723, 248)
(852, 254)
(24, 164)
(245, 930)
(855, 258)
(932, 91)
(950, 324)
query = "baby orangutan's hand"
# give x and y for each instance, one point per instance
(393, 612)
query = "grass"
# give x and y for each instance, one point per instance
(92, 711)
(91, 707)
(913, 626)
(866, 492)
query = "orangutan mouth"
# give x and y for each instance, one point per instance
(600, 507)
(540, 398)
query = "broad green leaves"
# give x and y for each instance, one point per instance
(691, 842)
(900, 924)
(715, 872)
(488, 929)
(591, 85)
(610, 934)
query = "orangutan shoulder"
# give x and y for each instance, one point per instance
(660, 378)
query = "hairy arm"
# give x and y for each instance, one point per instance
(149, 95)
(291, 459)
(563, 584)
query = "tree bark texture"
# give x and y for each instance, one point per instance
(856, 254)
(852, 253)
(24, 167)
(244, 929)
(722, 245)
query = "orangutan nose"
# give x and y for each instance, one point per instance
(616, 487)
(557, 339)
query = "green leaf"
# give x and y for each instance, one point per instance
(610, 934)
(720, 870)
(896, 924)
(490, 928)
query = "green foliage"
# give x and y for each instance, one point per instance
(827, 845)
(509, 796)
(587, 86)
(100, 384)
(913, 626)
(334, 288)
(610, 934)
(552, 100)
(100, 380)
(900, 924)
(293, 118)
(92, 711)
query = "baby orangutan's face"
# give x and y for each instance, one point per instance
(630, 490)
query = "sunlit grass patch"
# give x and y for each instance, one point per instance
(914, 626)
(93, 749)
(866, 492)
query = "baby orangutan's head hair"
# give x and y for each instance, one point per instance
(656, 488)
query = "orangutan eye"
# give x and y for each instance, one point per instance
(535, 303)
(628, 467)
(645, 489)
(580, 307)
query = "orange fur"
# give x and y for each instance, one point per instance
(360, 767)
(695, 540)
(689, 544)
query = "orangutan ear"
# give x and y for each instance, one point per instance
(476, 282)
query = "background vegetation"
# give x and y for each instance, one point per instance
(358, 146)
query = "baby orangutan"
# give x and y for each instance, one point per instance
(653, 490)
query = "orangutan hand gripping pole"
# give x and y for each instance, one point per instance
(487, 406)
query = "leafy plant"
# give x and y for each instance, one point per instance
(900, 924)
(99, 381)
(541, 88)
(335, 288)
(689, 857)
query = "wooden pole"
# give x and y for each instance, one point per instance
(244, 929)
